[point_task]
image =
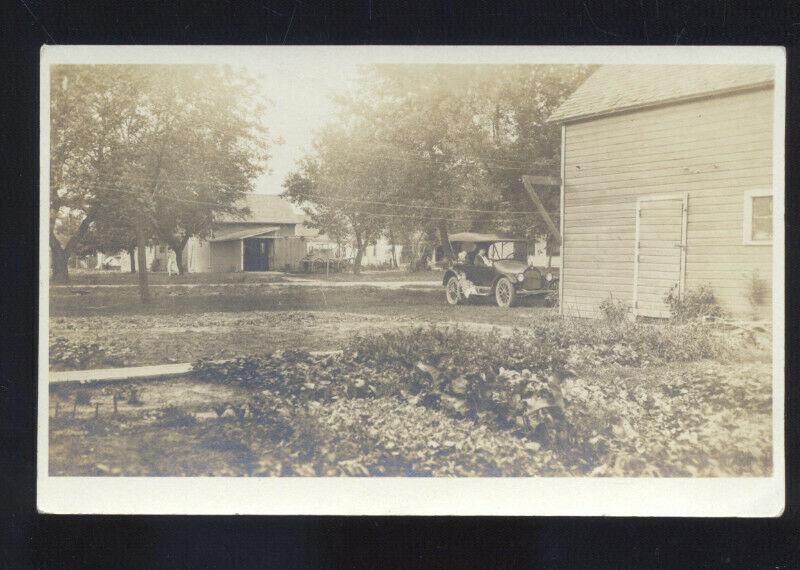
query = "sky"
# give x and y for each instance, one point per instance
(301, 96)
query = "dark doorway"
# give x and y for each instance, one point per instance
(256, 254)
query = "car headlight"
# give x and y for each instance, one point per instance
(549, 276)
(521, 277)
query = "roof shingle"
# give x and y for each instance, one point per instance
(615, 88)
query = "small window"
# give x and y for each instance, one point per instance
(162, 249)
(757, 217)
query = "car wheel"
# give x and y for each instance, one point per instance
(504, 293)
(453, 291)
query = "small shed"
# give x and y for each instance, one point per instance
(266, 239)
(666, 181)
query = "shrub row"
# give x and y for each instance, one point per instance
(626, 343)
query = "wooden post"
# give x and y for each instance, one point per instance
(57, 407)
(529, 182)
(115, 404)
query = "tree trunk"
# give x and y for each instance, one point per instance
(394, 250)
(444, 238)
(141, 244)
(360, 247)
(60, 260)
(132, 256)
(179, 257)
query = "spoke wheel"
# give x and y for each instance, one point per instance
(453, 291)
(504, 293)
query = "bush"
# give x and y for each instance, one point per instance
(589, 343)
(173, 416)
(757, 289)
(459, 350)
(511, 381)
(79, 355)
(614, 310)
(695, 303)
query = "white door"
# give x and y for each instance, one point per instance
(660, 256)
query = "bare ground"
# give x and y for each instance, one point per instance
(221, 321)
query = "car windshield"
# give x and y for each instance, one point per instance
(493, 251)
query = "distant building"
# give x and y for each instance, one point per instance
(379, 254)
(264, 240)
(666, 181)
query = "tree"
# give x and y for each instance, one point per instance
(340, 186)
(156, 150)
(205, 146)
(111, 233)
(92, 108)
(461, 137)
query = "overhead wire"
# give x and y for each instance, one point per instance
(499, 213)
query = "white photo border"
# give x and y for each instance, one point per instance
(690, 497)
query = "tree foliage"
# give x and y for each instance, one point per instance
(456, 140)
(172, 145)
(343, 187)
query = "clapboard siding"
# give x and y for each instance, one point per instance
(287, 252)
(226, 256)
(714, 149)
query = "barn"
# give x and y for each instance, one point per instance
(666, 180)
(265, 240)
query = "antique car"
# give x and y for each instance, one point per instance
(501, 271)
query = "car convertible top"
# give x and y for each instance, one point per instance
(474, 237)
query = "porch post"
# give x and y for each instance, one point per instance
(241, 249)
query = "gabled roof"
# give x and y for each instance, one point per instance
(244, 234)
(616, 88)
(265, 209)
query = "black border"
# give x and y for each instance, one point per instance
(28, 539)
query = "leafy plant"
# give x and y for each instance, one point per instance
(80, 355)
(133, 396)
(756, 290)
(695, 303)
(591, 343)
(173, 416)
(614, 310)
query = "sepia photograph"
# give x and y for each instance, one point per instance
(434, 277)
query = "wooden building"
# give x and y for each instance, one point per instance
(265, 240)
(666, 180)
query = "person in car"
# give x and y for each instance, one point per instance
(471, 252)
(481, 259)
